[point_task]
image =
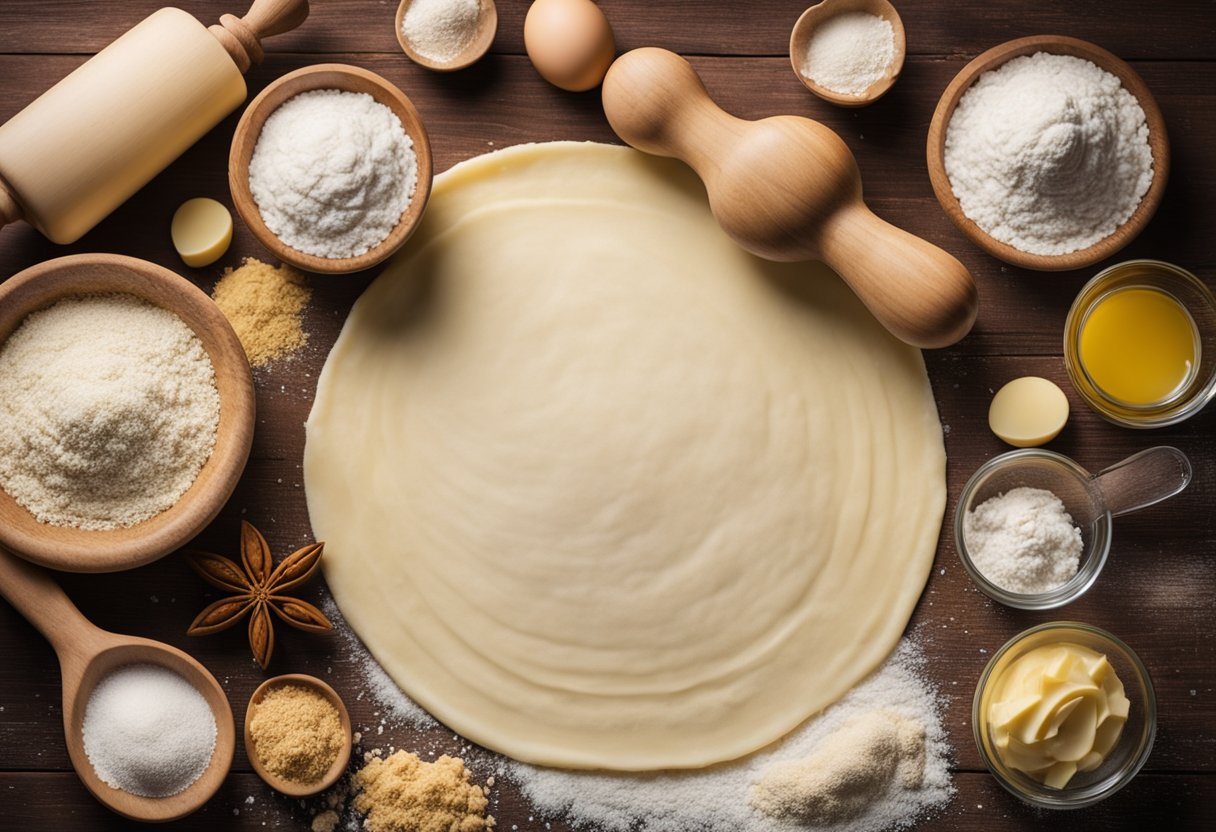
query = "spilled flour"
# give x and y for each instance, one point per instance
(891, 723)
(718, 798)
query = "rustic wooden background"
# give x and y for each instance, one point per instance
(1157, 593)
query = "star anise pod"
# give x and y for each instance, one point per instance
(257, 589)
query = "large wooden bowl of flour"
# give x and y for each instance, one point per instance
(77, 550)
(345, 78)
(1055, 45)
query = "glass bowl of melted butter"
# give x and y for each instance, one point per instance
(1140, 344)
(1064, 715)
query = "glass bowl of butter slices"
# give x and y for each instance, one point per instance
(1064, 715)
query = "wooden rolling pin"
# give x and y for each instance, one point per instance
(99, 135)
(787, 188)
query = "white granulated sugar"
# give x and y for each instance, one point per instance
(1023, 540)
(716, 799)
(439, 30)
(332, 173)
(1048, 153)
(147, 731)
(849, 52)
(109, 413)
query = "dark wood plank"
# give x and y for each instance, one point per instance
(1156, 594)
(1021, 312)
(1177, 29)
(1176, 802)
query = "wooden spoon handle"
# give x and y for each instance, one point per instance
(33, 593)
(920, 293)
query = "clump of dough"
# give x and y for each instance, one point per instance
(849, 771)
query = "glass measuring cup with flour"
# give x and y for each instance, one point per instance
(1023, 496)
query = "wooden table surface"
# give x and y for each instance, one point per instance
(1157, 593)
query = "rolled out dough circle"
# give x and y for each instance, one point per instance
(601, 490)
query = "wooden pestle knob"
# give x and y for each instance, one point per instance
(241, 36)
(788, 188)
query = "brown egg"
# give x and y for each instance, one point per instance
(569, 42)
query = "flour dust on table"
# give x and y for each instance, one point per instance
(720, 798)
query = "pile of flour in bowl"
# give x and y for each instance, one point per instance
(1048, 153)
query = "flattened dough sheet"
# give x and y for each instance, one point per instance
(601, 490)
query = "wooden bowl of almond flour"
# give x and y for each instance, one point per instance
(74, 549)
(993, 59)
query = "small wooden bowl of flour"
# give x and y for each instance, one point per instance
(111, 549)
(446, 35)
(1013, 225)
(328, 228)
(848, 52)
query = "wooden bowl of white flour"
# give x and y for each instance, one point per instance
(330, 168)
(1048, 152)
(105, 402)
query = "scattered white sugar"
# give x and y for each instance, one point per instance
(439, 30)
(380, 685)
(716, 799)
(147, 731)
(1023, 540)
(847, 53)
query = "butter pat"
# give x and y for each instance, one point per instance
(1057, 711)
(1028, 412)
(201, 231)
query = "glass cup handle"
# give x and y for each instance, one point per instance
(1144, 479)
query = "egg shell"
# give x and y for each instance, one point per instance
(569, 42)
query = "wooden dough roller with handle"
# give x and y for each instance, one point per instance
(99, 135)
(787, 188)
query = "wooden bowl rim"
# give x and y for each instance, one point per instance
(288, 787)
(77, 550)
(487, 28)
(318, 77)
(827, 9)
(1060, 45)
(118, 653)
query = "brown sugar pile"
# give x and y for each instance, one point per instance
(297, 733)
(401, 793)
(264, 305)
